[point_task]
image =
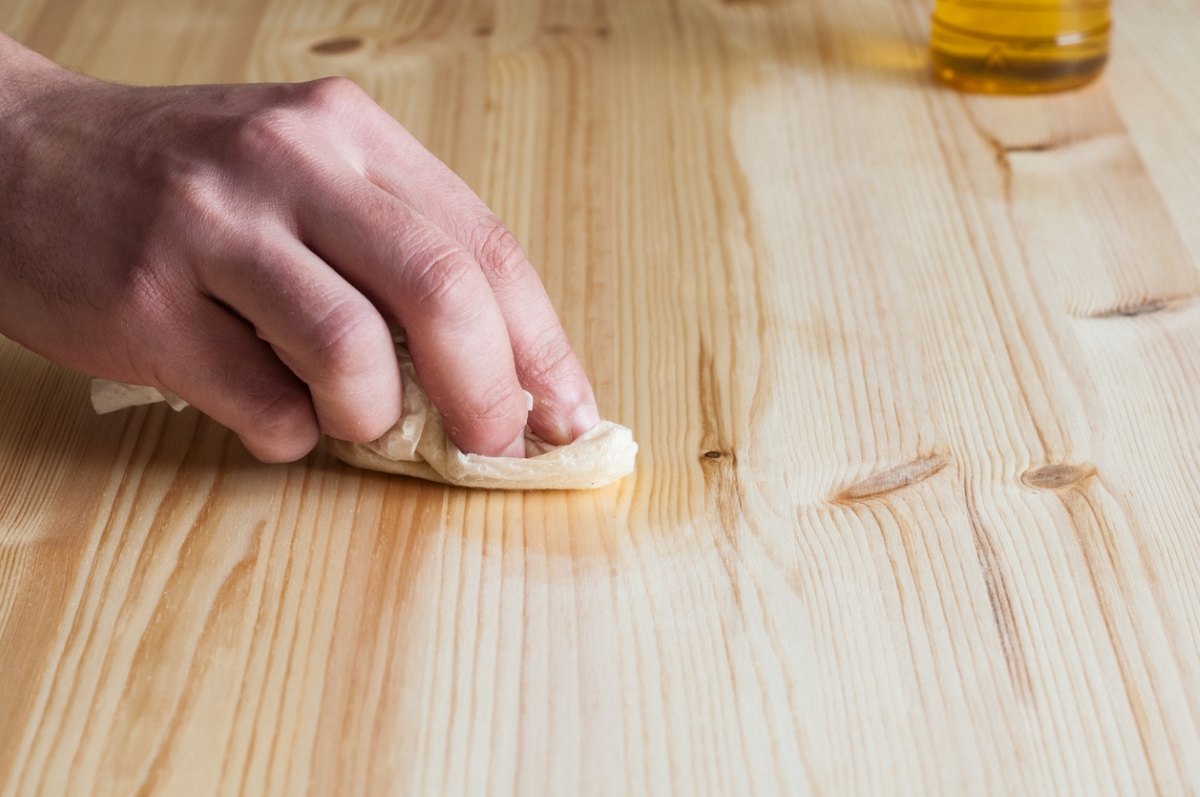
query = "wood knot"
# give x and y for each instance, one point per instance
(894, 478)
(1137, 308)
(1057, 476)
(337, 45)
(483, 31)
(558, 29)
(1145, 306)
(712, 455)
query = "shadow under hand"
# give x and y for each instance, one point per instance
(55, 452)
(61, 463)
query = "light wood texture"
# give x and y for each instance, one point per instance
(945, 352)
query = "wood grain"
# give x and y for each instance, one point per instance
(915, 380)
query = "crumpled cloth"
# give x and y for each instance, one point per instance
(109, 396)
(419, 446)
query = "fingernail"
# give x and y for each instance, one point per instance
(584, 418)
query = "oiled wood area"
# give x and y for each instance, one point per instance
(915, 375)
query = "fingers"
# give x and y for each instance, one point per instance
(564, 404)
(433, 287)
(222, 369)
(324, 330)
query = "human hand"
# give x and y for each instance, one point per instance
(246, 247)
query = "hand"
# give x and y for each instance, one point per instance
(247, 246)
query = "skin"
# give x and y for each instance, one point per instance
(246, 247)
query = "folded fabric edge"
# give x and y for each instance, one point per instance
(359, 456)
(109, 396)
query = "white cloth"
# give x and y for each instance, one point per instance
(419, 446)
(109, 396)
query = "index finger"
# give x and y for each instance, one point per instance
(564, 404)
(423, 279)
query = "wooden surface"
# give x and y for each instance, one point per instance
(944, 351)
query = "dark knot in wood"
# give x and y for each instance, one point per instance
(894, 478)
(1057, 476)
(337, 45)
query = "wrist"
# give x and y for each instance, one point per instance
(25, 75)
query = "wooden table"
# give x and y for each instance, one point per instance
(915, 377)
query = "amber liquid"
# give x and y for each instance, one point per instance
(1025, 47)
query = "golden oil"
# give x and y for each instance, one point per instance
(1025, 47)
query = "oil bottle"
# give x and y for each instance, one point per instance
(1019, 46)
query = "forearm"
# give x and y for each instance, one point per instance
(28, 83)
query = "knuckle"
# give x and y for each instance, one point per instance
(284, 122)
(331, 94)
(282, 421)
(498, 404)
(443, 284)
(342, 339)
(501, 253)
(549, 361)
(490, 421)
(486, 422)
(267, 134)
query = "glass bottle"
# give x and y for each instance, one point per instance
(1023, 47)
